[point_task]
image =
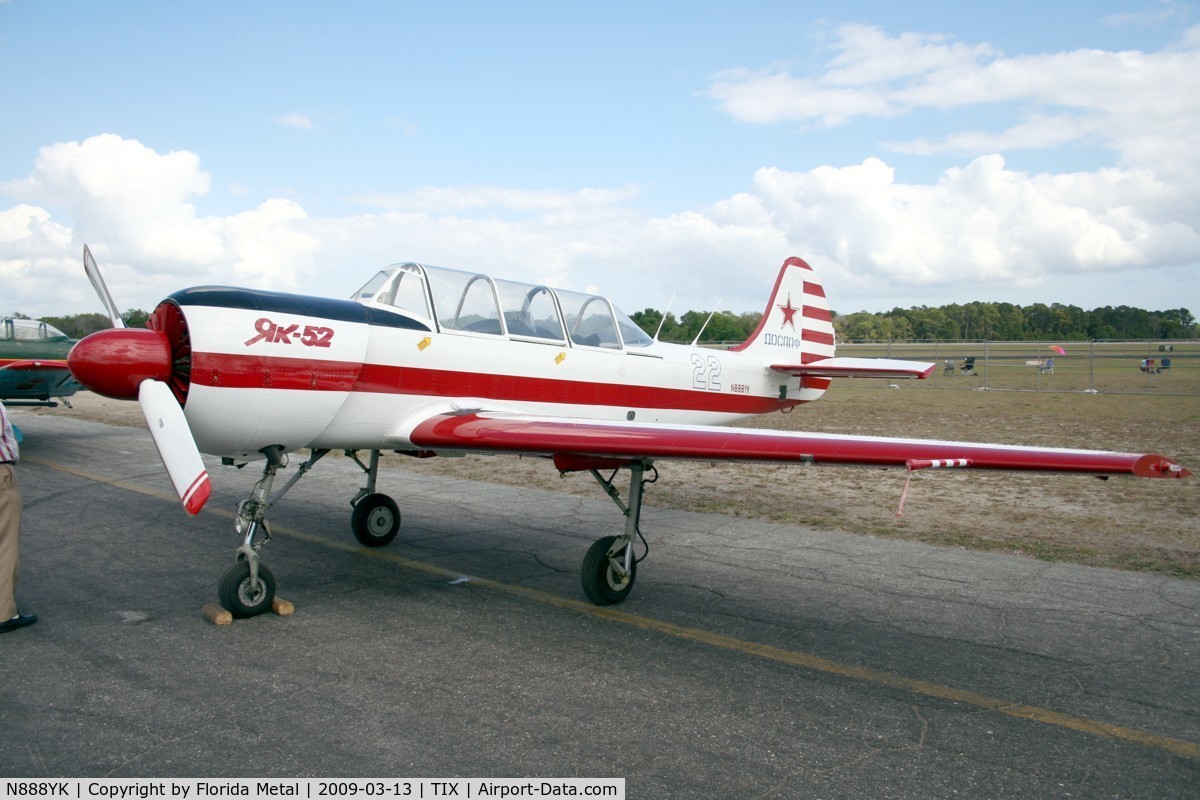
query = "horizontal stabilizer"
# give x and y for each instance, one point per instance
(858, 368)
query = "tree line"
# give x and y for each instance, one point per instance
(1012, 323)
(994, 321)
(79, 325)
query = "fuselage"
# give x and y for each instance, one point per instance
(255, 368)
(353, 384)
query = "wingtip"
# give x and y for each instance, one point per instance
(1155, 466)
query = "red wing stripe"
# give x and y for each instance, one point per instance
(814, 289)
(817, 337)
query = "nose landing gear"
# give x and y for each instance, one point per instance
(248, 588)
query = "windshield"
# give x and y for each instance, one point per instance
(400, 287)
(632, 335)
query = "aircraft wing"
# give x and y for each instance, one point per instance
(858, 368)
(574, 441)
(36, 380)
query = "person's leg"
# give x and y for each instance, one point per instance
(10, 541)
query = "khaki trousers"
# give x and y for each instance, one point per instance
(10, 540)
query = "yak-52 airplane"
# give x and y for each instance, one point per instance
(428, 361)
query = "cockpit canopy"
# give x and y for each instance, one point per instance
(30, 330)
(454, 300)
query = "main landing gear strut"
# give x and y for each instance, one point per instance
(610, 566)
(607, 574)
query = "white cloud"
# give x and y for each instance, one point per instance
(134, 206)
(28, 230)
(981, 223)
(134, 197)
(269, 245)
(296, 120)
(1144, 106)
(1163, 12)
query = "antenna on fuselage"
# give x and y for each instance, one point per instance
(705, 325)
(664, 316)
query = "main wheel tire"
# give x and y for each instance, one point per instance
(376, 520)
(601, 583)
(240, 597)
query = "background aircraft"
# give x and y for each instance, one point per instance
(428, 361)
(33, 367)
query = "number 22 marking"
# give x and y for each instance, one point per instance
(706, 374)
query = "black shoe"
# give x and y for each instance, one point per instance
(19, 621)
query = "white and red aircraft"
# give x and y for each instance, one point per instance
(429, 361)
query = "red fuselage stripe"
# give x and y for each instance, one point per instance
(263, 372)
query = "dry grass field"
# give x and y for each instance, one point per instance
(1126, 523)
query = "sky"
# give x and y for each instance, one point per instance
(916, 154)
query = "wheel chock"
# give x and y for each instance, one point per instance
(216, 615)
(220, 616)
(284, 608)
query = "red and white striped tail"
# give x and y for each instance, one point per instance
(797, 326)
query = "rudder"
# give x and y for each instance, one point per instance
(797, 320)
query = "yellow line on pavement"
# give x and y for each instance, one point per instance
(890, 680)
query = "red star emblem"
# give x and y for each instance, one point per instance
(789, 313)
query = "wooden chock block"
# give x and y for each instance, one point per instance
(216, 615)
(284, 608)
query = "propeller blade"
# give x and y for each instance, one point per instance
(93, 273)
(175, 444)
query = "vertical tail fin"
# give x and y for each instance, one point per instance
(797, 325)
(796, 338)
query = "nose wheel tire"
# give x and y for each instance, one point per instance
(241, 596)
(376, 520)
(602, 583)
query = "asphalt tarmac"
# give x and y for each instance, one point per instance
(752, 660)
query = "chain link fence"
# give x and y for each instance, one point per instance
(1110, 367)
